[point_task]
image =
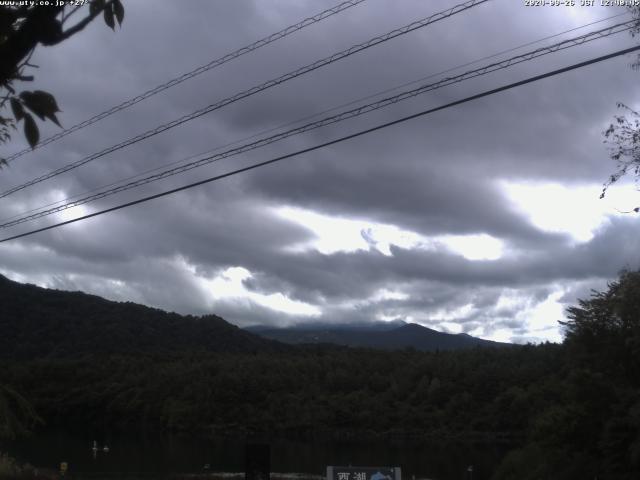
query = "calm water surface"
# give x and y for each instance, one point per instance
(179, 454)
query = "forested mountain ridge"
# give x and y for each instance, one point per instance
(407, 335)
(37, 322)
(570, 410)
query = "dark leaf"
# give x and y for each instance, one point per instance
(118, 9)
(41, 103)
(32, 104)
(16, 107)
(54, 119)
(31, 130)
(7, 19)
(637, 209)
(96, 6)
(48, 99)
(108, 17)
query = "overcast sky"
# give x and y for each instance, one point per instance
(483, 218)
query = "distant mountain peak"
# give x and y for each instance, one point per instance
(375, 335)
(415, 326)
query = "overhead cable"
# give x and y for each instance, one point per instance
(385, 102)
(308, 117)
(193, 73)
(252, 91)
(332, 142)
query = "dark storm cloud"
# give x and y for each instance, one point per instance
(434, 176)
(344, 276)
(203, 231)
(424, 195)
(434, 282)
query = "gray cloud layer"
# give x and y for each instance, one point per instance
(433, 176)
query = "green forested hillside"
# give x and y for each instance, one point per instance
(569, 411)
(37, 322)
(337, 389)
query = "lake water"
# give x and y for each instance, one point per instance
(179, 454)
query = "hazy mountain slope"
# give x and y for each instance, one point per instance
(406, 335)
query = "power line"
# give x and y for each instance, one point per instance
(252, 91)
(569, 43)
(193, 73)
(333, 142)
(336, 118)
(309, 117)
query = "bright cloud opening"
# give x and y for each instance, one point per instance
(499, 335)
(228, 285)
(450, 315)
(474, 247)
(543, 318)
(450, 327)
(334, 234)
(577, 211)
(385, 294)
(60, 196)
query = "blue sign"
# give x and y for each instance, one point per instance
(363, 473)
